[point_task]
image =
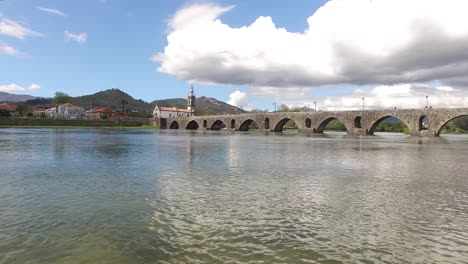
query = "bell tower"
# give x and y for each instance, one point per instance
(191, 100)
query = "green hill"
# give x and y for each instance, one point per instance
(203, 106)
(112, 98)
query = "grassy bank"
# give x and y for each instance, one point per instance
(105, 127)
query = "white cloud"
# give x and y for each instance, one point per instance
(380, 97)
(52, 11)
(14, 29)
(77, 37)
(14, 87)
(33, 87)
(8, 50)
(238, 99)
(352, 42)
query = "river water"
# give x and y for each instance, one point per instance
(150, 196)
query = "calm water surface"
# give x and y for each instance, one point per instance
(144, 196)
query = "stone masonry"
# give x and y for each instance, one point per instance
(356, 122)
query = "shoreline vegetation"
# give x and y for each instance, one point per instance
(58, 127)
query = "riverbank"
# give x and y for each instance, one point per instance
(53, 123)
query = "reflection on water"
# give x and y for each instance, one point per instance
(144, 196)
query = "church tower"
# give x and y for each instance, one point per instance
(191, 100)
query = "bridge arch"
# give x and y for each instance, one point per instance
(423, 123)
(358, 122)
(205, 124)
(267, 123)
(279, 126)
(174, 125)
(218, 125)
(192, 125)
(233, 124)
(308, 123)
(439, 129)
(374, 126)
(246, 124)
(325, 122)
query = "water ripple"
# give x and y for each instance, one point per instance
(100, 196)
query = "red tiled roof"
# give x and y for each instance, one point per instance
(101, 109)
(8, 107)
(174, 109)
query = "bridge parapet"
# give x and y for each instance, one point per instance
(420, 122)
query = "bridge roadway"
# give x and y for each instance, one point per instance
(356, 122)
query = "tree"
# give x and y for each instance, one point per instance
(61, 98)
(4, 113)
(21, 110)
(283, 108)
(123, 102)
(301, 109)
(335, 125)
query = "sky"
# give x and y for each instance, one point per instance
(252, 54)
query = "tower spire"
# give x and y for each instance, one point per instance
(191, 100)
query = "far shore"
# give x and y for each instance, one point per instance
(105, 127)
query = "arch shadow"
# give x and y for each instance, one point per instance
(218, 125)
(174, 125)
(439, 130)
(280, 125)
(374, 126)
(423, 123)
(192, 125)
(325, 122)
(247, 125)
(358, 122)
(308, 123)
(267, 123)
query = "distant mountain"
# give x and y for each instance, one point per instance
(112, 98)
(15, 98)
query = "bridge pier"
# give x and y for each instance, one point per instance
(306, 131)
(357, 132)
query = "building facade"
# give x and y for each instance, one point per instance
(171, 112)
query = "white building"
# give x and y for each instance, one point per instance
(43, 111)
(171, 112)
(70, 111)
(65, 111)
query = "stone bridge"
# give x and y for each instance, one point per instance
(420, 122)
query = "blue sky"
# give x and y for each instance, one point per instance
(121, 38)
(248, 53)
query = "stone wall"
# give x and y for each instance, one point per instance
(143, 121)
(356, 122)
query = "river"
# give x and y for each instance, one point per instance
(157, 196)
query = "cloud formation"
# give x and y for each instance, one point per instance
(353, 42)
(238, 99)
(8, 50)
(380, 97)
(79, 38)
(14, 29)
(52, 11)
(14, 87)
